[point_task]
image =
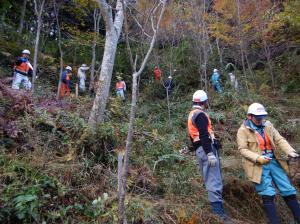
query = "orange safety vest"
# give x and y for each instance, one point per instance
(120, 85)
(193, 130)
(264, 142)
(23, 68)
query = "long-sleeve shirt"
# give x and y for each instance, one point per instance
(215, 77)
(65, 78)
(81, 72)
(201, 123)
(23, 66)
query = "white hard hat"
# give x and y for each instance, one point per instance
(83, 65)
(26, 52)
(200, 96)
(69, 68)
(257, 109)
(170, 77)
(215, 70)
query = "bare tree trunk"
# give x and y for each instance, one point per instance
(241, 43)
(219, 52)
(218, 47)
(205, 42)
(269, 62)
(243, 59)
(38, 11)
(169, 108)
(248, 63)
(21, 25)
(61, 61)
(126, 38)
(97, 17)
(125, 165)
(121, 192)
(113, 30)
(171, 69)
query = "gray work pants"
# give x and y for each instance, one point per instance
(211, 175)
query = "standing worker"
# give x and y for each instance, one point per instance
(202, 136)
(65, 88)
(261, 147)
(22, 71)
(120, 87)
(157, 74)
(81, 75)
(169, 85)
(233, 81)
(216, 81)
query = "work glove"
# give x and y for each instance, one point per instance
(263, 160)
(212, 160)
(184, 151)
(293, 154)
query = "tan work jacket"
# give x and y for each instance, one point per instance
(248, 146)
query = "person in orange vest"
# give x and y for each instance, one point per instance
(23, 70)
(203, 140)
(262, 149)
(65, 88)
(120, 88)
(157, 74)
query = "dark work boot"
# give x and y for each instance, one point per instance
(218, 209)
(270, 209)
(293, 205)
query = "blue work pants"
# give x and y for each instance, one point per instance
(273, 176)
(217, 87)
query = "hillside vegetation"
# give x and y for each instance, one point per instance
(55, 168)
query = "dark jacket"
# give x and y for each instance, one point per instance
(201, 123)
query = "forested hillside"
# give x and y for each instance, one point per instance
(95, 97)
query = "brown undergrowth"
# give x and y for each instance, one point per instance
(54, 142)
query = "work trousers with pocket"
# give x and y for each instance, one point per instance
(211, 175)
(274, 175)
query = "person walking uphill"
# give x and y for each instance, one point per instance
(22, 71)
(261, 147)
(202, 136)
(121, 88)
(65, 88)
(215, 79)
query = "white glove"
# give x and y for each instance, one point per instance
(212, 160)
(263, 160)
(184, 151)
(293, 154)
